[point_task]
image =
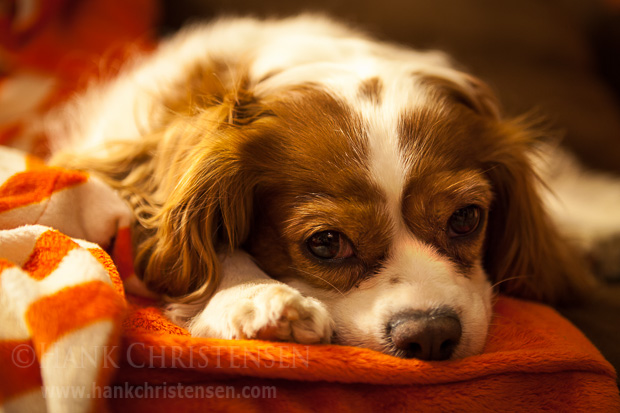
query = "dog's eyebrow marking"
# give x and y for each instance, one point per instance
(371, 89)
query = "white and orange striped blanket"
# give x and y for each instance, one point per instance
(61, 298)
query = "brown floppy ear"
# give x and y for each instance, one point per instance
(180, 259)
(207, 212)
(525, 254)
(189, 200)
(204, 204)
(185, 182)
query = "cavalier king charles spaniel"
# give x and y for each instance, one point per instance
(296, 180)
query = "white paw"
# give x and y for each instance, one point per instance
(250, 304)
(279, 312)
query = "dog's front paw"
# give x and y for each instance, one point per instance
(279, 312)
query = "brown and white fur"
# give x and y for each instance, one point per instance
(296, 180)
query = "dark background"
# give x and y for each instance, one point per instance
(557, 58)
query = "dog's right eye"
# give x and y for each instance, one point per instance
(464, 221)
(329, 245)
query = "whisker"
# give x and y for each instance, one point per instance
(507, 279)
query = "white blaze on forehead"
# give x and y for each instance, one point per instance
(389, 163)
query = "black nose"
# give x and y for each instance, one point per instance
(425, 335)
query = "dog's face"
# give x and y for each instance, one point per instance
(384, 183)
(379, 209)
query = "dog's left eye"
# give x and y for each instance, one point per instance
(464, 221)
(329, 245)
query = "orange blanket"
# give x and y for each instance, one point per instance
(73, 338)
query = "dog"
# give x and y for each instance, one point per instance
(296, 180)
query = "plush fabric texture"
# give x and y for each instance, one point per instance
(77, 333)
(534, 360)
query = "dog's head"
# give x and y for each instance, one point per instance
(385, 184)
